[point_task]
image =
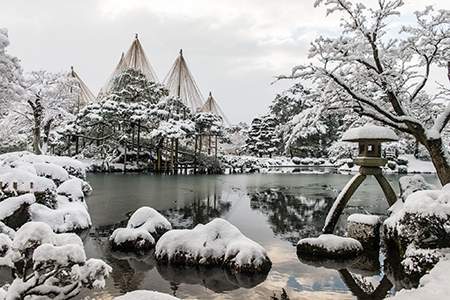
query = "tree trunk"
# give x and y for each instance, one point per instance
(439, 157)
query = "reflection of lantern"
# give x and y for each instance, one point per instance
(369, 137)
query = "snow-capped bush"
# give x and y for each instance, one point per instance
(217, 243)
(48, 264)
(423, 219)
(25, 175)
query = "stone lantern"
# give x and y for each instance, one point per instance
(369, 138)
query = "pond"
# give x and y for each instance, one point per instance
(275, 210)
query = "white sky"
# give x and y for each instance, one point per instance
(234, 47)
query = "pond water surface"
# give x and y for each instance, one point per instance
(273, 210)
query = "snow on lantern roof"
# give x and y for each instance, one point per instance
(369, 132)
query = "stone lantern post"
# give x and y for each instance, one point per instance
(369, 138)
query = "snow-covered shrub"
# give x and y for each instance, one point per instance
(217, 243)
(49, 265)
(144, 227)
(51, 171)
(423, 219)
(145, 295)
(329, 246)
(417, 262)
(62, 207)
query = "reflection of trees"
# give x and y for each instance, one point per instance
(218, 280)
(363, 289)
(291, 216)
(200, 210)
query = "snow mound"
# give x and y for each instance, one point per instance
(364, 219)
(369, 132)
(51, 171)
(329, 246)
(149, 219)
(69, 216)
(145, 295)
(72, 189)
(22, 181)
(217, 243)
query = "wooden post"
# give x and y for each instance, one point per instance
(172, 145)
(215, 148)
(77, 146)
(138, 154)
(176, 156)
(125, 158)
(195, 155)
(209, 143)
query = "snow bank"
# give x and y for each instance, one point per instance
(145, 295)
(433, 286)
(330, 246)
(369, 132)
(144, 227)
(216, 243)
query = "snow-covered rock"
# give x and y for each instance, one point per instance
(145, 295)
(144, 227)
(365, 229)
(135, 239)
(411, 184)
(329, 246)
(149, 219)
(217, 243)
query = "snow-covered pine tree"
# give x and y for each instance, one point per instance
(262, 138)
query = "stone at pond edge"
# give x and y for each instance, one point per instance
(365, 229)
(329, 246)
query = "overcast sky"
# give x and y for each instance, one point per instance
(234, 48)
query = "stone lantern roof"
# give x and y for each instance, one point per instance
(370, 132)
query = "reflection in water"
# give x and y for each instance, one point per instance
(292, 216)
(274, 210)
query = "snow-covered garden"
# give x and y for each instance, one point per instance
(274, 200)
